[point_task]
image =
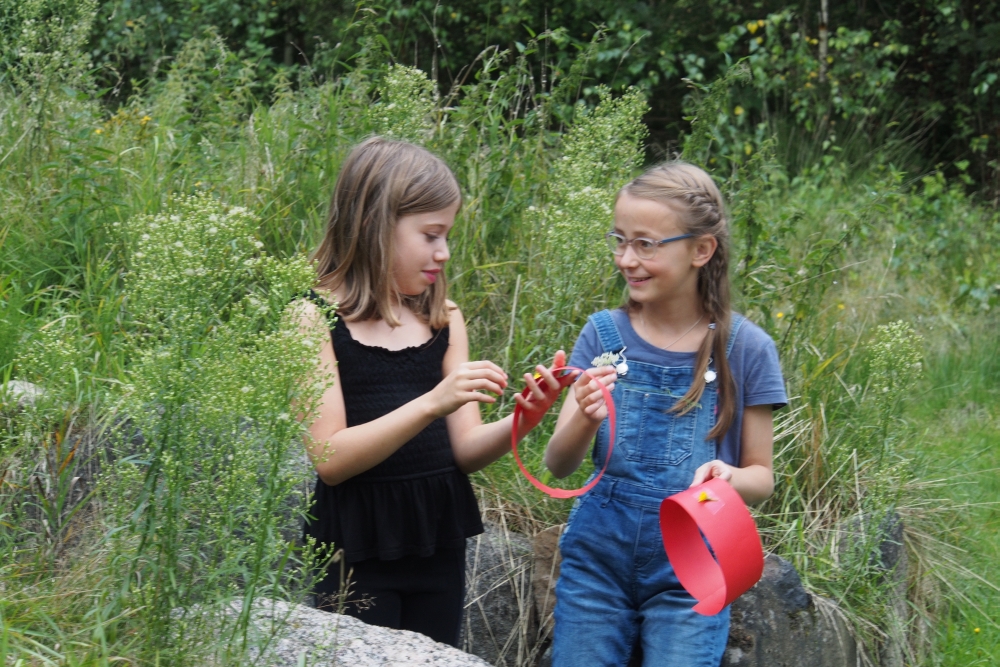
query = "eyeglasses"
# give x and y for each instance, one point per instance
(644, 248)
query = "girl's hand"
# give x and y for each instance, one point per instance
(464, 384)
(588, 394)
(711, 470)
(544, 388)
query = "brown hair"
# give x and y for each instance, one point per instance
(693, 193)
(380, 182)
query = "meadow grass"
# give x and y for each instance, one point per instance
(959, 445)
(97, 317)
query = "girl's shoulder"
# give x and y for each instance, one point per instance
(315, 303)
(751, 336)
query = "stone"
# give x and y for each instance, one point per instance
(20, 393)
(322, 638)
(881, 544)
(777, 623)
(546, 572)
(500, 624)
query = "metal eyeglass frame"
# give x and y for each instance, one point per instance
(642, 252)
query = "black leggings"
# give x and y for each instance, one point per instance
(422, 594)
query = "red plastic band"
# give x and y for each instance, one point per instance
(566, 493)
(718, 511)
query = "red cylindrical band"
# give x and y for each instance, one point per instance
(715, 510)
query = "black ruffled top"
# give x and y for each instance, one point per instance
(417, 500)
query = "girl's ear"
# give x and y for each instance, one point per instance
(704, 248)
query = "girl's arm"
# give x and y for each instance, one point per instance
(340, 453)
(581, 414)
(754, 479)
(475, 444)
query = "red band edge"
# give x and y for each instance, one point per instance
(566, 493)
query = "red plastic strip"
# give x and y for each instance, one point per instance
(566, 493)
(715, 510)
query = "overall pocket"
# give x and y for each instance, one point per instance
(652, 435)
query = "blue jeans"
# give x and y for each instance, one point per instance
(616, 586)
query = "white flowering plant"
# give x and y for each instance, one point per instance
(208, 508)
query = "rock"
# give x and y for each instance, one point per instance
(20, 393)
(777, 623)
(322, 638)
(878, 545)
(500, 624)
(545, 575)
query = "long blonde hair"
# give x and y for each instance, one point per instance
(380, 182)
(695, 195)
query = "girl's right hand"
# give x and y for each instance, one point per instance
(465, 384)
(588, 394)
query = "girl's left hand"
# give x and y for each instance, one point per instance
(545, 389)
(711, 470)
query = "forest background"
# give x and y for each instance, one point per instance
(165, 168)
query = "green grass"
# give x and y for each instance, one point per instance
(958, 422)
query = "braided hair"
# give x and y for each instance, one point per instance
(693, 192)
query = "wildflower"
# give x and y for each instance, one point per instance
(738, 111)
(976, 630)
(144, 120)
(752, 27)
(840, 306)
(245, 390)
(780, 315)
(258, 245)
(98, 131)
(606, 359)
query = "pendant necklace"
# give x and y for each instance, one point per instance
(666, 348)
(709, 374)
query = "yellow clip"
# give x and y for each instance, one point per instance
(704, 497)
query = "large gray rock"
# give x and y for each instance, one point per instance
(500, 624)
(877, 544)
(777, 623)
(321, 638)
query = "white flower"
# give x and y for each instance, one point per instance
(606, 359)
(213, 230)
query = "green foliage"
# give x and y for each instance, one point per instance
(149, 252)
(217, 370)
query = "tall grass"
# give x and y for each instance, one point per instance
(169, 372)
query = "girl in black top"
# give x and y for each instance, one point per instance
(399, 430)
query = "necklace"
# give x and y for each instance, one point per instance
(666, 348)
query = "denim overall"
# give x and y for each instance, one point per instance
(615, 583)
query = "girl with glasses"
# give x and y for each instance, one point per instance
(695, 388)
(399, 431)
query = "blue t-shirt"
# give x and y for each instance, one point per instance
(753, 362)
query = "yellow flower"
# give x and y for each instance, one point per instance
(130, 23)
(840, 306)
(144, 120)
(752, 27)
(780, 315)
(976, 631)
(98, 131)
(759, 40)
(829, 59)
(738, 110)
(761, 22)
(454, 15)
(748, 149)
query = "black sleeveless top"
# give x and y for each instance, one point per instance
(417, 500)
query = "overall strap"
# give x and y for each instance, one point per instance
(735, 325)
(607, 331)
